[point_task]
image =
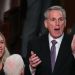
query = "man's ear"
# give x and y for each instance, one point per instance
(45, 23)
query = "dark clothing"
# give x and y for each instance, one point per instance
(73, 30)
(12, 29)
(2, 72)
(65, 59)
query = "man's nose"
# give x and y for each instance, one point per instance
(57, 22)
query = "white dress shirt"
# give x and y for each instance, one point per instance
(59, 40)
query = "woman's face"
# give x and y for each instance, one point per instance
(2, 46)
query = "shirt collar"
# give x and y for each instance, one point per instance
(57, 39)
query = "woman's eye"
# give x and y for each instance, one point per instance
(2, 42)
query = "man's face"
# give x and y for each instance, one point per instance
(55, 23)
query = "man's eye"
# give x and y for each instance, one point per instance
(53, 19)
(61, 19)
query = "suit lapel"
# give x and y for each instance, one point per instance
(61, 55)
(46, 53)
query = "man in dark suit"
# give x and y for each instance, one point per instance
(39, 55)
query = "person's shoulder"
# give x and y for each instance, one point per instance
(39, 38)
(68, 37)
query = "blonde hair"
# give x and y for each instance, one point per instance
(6, 52)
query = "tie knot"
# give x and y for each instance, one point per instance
(54, 42)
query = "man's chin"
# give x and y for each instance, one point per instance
(57, 36)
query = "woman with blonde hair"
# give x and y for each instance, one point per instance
(4, 53)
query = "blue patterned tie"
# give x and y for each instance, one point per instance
(53, 54)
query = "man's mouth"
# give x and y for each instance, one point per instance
(57, 29)
(0, 50)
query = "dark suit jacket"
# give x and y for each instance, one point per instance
(64, 60)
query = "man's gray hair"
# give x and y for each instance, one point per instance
(13, 65)
(55, 8)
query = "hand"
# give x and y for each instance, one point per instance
(34, 60)
(73, 45)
